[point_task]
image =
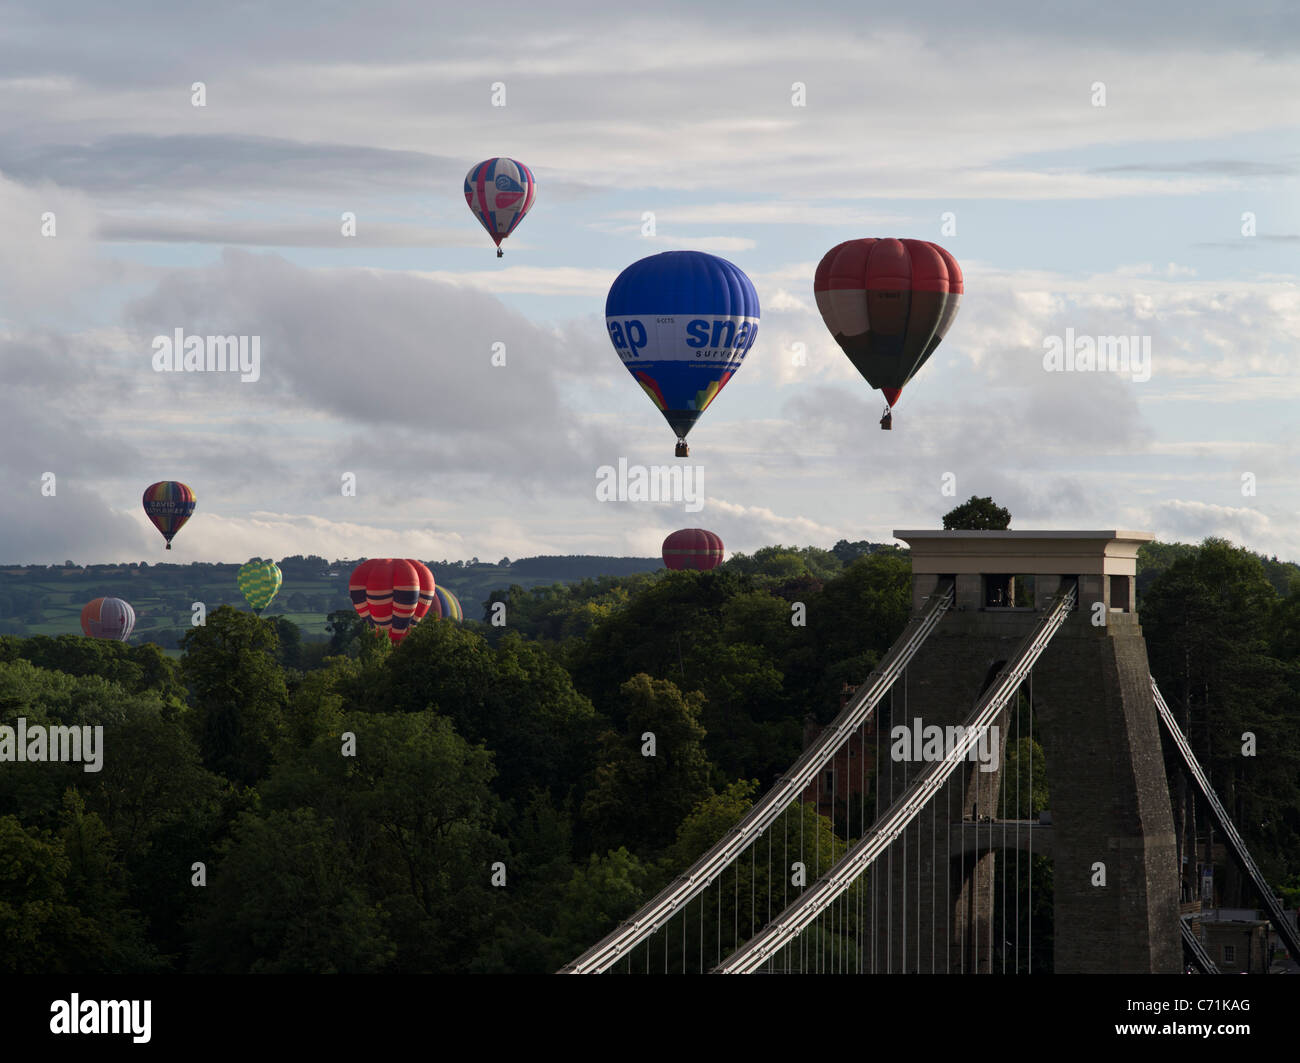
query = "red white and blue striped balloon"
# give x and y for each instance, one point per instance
(500, 192)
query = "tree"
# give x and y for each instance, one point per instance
(977, 514)
(415, 807)
(639, 799)
(239, 692)
(41, 931)
(1213, 623)
(515, 698)
(346, 629)
(285, 899)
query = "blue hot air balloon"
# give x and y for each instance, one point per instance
(682, 322)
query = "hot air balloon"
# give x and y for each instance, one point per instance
(500, 192)
(692, 548)
(386, 592)
(428, 591)
(357, 588)
(168, 504)
(259, 581)
(682, 322)
(888, 303)
(448, 606)
(108, 618)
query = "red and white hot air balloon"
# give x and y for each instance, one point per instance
(500, 192)
(888, 303)
(108, 618)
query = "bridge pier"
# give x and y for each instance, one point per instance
(1115, 871)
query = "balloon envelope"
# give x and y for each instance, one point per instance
(385, 591)
(428, 590)
(447, 606)
(682, 322)
(108, 618)
(888, 303)
(259, 582)
(168, 504)
(500, 192)
(692, 548)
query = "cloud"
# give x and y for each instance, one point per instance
(602, 109)
(323, 233)
(49, 248)
(1215, 167)
(1191, 521)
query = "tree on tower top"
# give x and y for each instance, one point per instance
(977, 514)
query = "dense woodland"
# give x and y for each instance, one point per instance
(520, 744)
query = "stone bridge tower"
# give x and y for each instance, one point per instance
(1096, 720)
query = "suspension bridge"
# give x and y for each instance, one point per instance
(894, 844)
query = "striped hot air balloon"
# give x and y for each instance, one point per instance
(259, 581)
(888, 303)
(386, 592)
(357, 588)
(692, 548)
(500, 192)
(447, 606)
(108, 618)
(168, 504)
(428, 591)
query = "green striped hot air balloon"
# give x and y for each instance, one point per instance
(259, 581)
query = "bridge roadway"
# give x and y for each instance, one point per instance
(970, 837)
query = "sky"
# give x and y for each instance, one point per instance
(1113, 170)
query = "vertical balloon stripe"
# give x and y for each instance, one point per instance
(447, 606)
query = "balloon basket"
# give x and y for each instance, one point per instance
(887, 421)
(500, 253)
(682, 451)
(169, 546)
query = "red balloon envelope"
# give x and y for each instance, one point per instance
(357, 587)
(427, 590)
(390, 593)
(692, 548)
(888, 303)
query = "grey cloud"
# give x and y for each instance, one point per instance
(188, 231)
(190, 163)
(408, 359)
(1214, 167)
(75, 524)
(182, 42)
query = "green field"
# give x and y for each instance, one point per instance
(47, 600)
